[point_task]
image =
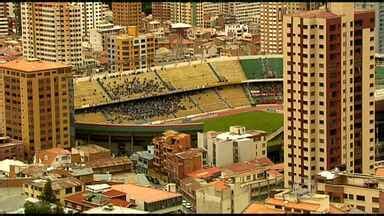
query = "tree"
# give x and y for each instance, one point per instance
(48, 196)
(38, 208)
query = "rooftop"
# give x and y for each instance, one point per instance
(257, 208)
(145, 194)
(190, 153)
(316, 14)
(294, 205)
(58, 184)
(107, 162)
(32, 66)
(205, 173)
(180, 25)
(113, 210)
(48, 156)
(91, 149)
(259, 164)
(5, 164)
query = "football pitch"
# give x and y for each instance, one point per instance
(266, 121)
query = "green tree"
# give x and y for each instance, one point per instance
(48, 196)
(39, 208)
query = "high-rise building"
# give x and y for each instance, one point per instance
(36, 101)
(92, 17)
(132, 50)
(329, 82)
(271, 20)
(245, 12)
(379, 27)
(127, 13)
(161, 11)
(52, 31)
(4, 16)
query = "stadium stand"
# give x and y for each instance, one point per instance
(188, 77)
(267, 92)
(133, 86)
(234, 95)
(89, 93)
(379, 77)
(209, 101)
(260, 68)
(231, 70)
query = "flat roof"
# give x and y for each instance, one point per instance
(145, 194)
(180, 25)
(316, 14)
(205, 173)
(114, 210)
(32, 66)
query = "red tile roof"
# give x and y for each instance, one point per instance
(205, 173)
(121, 203)
(48, 156)
(113, 193)
(258, 208)
(31, 66)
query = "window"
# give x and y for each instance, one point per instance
(360, 198)
(375, 199)
(68, 190)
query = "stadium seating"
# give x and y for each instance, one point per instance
(123, 87)
(191, 108)
(209, 101)
(88, 93)
(231, 70)
(235, 96)
(190, 76)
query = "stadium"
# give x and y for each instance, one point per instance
(189, 97)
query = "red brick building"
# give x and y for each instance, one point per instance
(183, 163)
(166, 146)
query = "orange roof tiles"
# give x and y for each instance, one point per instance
(257, 208)
(121, 203)
(113, 193)
(299, 205)
(145, 194)
(205, 173)
(220, 185)
(31, 66)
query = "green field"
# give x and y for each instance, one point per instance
(266, 121)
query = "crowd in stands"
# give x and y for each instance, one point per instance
(268, 92)
(145, 86)
(145, 110)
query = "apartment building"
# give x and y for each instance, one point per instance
(92, 17)
(4, 16)
(183, 163)
(166, 146)
(378, 7)
(53, 31)
(329, 107)
(132, 51)
(244, 12)
(62, 187)
(237, 145)
(363, 192)
(161, 11)
(127, 13)
(36, 102)
(271, 21)
(99, 38)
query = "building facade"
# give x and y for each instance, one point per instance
(237, 145)
(378, 7)
(363, 192)
(4, 19)
(166, 146)
(53, 31)
(36, 103)
(329, 107)
(127, 13)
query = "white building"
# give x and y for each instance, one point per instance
(98, 38)
(235, 30)
(235, 146)
(92, 16)
(4, 15)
